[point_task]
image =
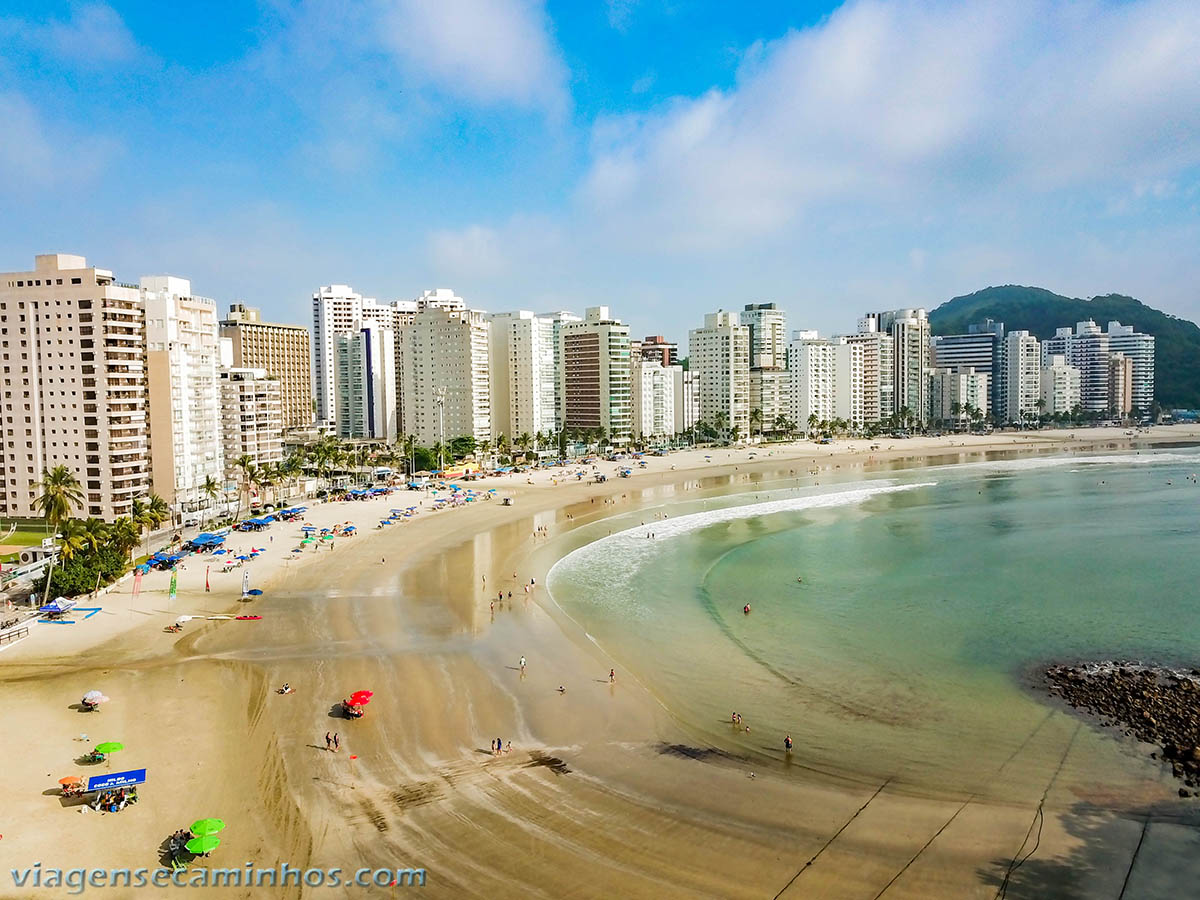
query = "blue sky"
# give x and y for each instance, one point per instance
(664, 157)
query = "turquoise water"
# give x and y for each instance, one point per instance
(927, 598)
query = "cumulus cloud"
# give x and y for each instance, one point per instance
(886, 105)
(484, 50)
(94, 34)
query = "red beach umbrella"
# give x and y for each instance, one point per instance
(361, 698)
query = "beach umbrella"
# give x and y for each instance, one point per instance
(254, 592)
(243, 558)
(205, 844)
(94, 697)
(359, 698)
(204, 827)
(327, 537)
(70, 779)
(109, 747)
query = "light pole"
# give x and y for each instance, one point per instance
(439, 397)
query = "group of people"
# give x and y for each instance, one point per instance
(333, 742)
(498, 747)
(8, 623)
(114, 801)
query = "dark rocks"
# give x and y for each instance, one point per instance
(1156, 705)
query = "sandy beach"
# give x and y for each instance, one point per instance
(604, 793)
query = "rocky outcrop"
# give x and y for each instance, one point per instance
(1153, 704)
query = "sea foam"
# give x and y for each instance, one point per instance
(616, 557)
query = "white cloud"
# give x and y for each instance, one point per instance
(484, 50)
(912, 104)
(471, 252)
(94, 35)
(34, 152)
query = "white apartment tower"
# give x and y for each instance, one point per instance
(652, 390)
(768, 335)
(182, 357)
(252, 411)
(827, 380)
(446, 390)
(719, 357)
(523, 378)
(909, 330)
(365, 384)
(72, 386)
(952, 391)
(1060, 386)
(1087, 349)
(771, 395)
(1022, 375)
(337, 309)
(594, 378)
(1138, 348)
(878, 354)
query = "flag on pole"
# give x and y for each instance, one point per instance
(171, 594)
(137, 582)
(246, 583)
(206, 571)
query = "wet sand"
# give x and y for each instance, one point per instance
(604, 792)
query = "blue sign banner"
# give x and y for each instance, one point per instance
(116, 780)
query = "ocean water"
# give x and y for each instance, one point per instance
(927, 600)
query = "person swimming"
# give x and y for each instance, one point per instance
(746, 609)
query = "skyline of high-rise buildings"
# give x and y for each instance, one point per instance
(184, 388)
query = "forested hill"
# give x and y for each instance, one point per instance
(1041, 312)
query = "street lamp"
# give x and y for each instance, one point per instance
(439, 397)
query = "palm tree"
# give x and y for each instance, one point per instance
(813, 419)
(124, 534)
(523, 441)
(60, 491)
(756, 418)
(97, 533)
(210, 489)
(245, 462)
(73, 539)
(721, 422)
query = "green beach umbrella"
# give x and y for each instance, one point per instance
(204, 827)
(205, 844)
(109, 747)
(327, 537)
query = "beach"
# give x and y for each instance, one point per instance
(606, 790)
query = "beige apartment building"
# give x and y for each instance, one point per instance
(282, 350)
(72, 385)
(251, 418)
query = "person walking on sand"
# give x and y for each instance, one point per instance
(612, 676)
(522, 665)
(499, 746)
(328, 741)
(337, 744)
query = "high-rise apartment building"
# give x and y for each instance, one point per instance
(523, 378)
(365, 383)
(1087, 349)
(952, 392)
(771, 395)
(982, 349)
(719, 357)
(652, 390)
(768, 335)
(594, 378)
(1022, 376)
(72, 386)
(1060, 386)
(657, 348)
(909, 330)
(1138, 348)
(284, 351)
(1120, 384)
(446, 391)
(558, 319)
(878, 390)
(687, 406)
(252, 418)
(182, 357)
(828, 380)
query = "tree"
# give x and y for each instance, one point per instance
(462, 446)
(756, 418)
(155, 513)
(721, 423)
(60, 491)
(245, 463)
(210, 489)
(72, 539)
(124, 534)
(813, 419)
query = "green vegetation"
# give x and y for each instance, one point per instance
(1041, 312)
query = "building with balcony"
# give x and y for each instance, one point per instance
(72, 386)
(251, 418)
(719, 359)
(595, 378)
(284, 351)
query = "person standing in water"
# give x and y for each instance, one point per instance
(787, 743)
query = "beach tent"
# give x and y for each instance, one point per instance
(58, 605)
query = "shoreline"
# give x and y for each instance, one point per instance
(443, 663)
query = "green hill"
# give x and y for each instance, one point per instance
(1040, 312)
